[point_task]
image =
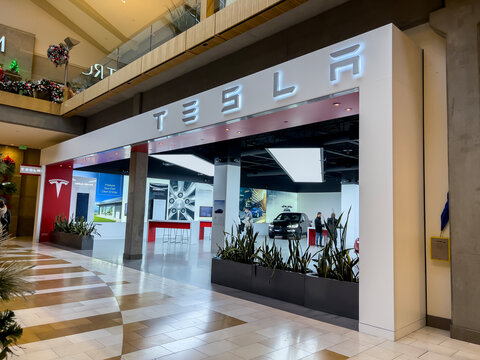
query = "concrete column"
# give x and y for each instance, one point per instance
(459, 22)
(226, 199)
(137, 186)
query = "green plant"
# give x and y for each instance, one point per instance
(75, 226)
(13, 66)
(239, 247)
(270, 256)
(334, 261)
(12, 283)
(184, 16)
(298, 261)
(7, 170)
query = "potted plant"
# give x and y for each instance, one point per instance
(334, 288)
(281, 280)
(76, 233)
(12, 284)
(233, 265)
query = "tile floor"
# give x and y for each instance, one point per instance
(87, 309)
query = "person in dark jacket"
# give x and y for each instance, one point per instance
(332, 222)
(4, 218)
(319, 229)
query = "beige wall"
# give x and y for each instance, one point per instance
(436, 163)
(26, 16)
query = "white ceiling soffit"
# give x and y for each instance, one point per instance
(16, 135)
(303, 165)
(190, 162)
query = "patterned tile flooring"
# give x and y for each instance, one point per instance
(86, 309)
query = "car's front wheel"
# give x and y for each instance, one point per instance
(271, 236)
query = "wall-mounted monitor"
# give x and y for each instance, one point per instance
(206, 211)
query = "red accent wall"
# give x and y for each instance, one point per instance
(53, 205)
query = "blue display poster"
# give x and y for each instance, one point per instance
(108, 196)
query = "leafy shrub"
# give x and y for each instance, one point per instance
(335, 262)
(75, 226)
(270, 256)
(12, 283)
(298, 261)
(239, 247)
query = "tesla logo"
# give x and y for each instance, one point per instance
(343, 60)
(58, 183)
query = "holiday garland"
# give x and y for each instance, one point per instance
(58, 54)
(27, 88)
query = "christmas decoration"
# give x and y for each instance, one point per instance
(28, 88)
(7, 169)
(14, 66)
(58, 54)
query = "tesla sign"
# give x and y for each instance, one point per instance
(348, 59)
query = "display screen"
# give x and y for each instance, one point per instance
(206, 211)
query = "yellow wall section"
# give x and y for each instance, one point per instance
(26, 16)
(436, 163)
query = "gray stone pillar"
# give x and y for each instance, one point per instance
(226, 199)
(136, 204)
(459, 22)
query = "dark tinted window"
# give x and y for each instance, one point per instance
(289, 217)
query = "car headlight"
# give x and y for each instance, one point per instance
(292, 226)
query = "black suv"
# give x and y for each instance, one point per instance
(289, 225)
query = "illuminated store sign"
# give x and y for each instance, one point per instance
(2, 44)
(98, 69)
(346, 59)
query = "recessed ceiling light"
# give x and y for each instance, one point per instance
(336, 104)
(188, 161)
(227, 129)
(301, 164)
(239, 132)
(348, 109)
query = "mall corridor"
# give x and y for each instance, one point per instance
(86, 308)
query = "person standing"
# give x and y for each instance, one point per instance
(248, 220)
(4, 218)
(332, 225)
(319, 229)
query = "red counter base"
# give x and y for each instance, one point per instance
(203, 225)
(153, 225)
(312, 234)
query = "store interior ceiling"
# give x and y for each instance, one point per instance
(339, 139)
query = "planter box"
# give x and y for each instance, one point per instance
(332, 296)
(283, 285)
(42, 95)
(232, 274)
(81, 242)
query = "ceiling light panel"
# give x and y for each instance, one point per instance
(303, 165)
(190, 162)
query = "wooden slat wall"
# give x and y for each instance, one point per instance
(29, 103)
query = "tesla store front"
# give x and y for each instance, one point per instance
(370, 86)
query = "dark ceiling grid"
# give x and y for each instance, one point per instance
(338, 137)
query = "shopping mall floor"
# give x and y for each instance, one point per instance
(85, 308)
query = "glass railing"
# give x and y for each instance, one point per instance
(175, 22)
(221, 4)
